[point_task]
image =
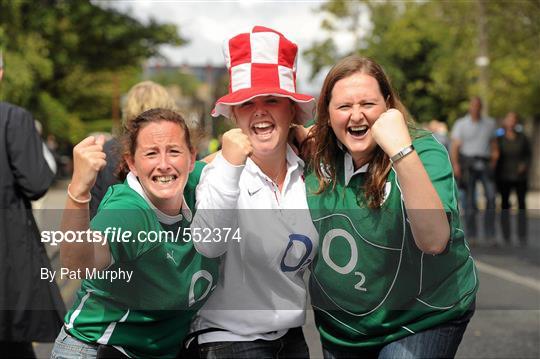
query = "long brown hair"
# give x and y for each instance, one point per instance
(321, 147)
(133, 127)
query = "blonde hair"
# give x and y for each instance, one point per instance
(144, 96)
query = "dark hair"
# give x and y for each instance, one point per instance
(322, 145)
(133, 127)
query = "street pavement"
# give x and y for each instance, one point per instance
(507, 319)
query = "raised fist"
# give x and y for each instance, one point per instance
(390, 132)
(88, 160)
(236, 147)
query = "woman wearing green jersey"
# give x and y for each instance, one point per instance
(394, 277)
(158, 285)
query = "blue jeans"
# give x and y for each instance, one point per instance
(291, 345)
(486, 178)
(68, 347)
(438, 342)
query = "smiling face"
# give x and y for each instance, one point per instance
(162, 162)
(266, 120)
(356, 103)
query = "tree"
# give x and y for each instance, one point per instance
(68, 61)
(429, 50)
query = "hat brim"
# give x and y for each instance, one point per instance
(305, 103)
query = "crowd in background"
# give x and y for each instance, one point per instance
(496, 155)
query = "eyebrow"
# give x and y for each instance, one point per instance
(362, 100)
(150, 147)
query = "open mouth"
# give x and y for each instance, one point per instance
(164, 179)
(358, 131)
(263, 128)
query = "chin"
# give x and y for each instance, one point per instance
(165, 194)
(266, 147)
(361, 150)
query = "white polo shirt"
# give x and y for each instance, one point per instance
(260, 293)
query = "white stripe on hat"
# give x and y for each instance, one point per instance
(227, 53)
(264, 47)
(241, 77)
(286, 78)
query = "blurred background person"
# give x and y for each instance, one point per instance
(141, 97)
(474, 155)
(47, 152)
(512, 174)
(440, 131)
(31, 309)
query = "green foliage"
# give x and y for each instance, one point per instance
(103, 125)
(428, 49)
(59, 120)
(67, 61)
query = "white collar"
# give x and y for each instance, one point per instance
(348, 165)
(294, 163)
(134, 184)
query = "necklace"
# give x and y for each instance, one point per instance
(283, 170)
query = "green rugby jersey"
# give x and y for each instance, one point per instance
(150, 315)
(370, 284)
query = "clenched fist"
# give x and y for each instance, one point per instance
(88, 160)
(236, 147)
(390, 132)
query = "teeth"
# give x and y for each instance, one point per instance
(262, 125)
(164, 179)
(358, 128)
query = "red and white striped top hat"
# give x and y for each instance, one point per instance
(261, 63)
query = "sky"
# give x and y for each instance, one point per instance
(206, 24)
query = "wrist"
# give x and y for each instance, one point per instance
(234, 159)
(78, 194)
(405, 151)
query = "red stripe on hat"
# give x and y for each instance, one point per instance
(265, 29)
(240, 49)
(287, 52)
(264, 75)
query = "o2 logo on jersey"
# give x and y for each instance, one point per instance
(304, 261)
(351, 264)
(202, 274)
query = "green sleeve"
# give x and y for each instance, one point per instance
(128, 219)
(437, 163)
